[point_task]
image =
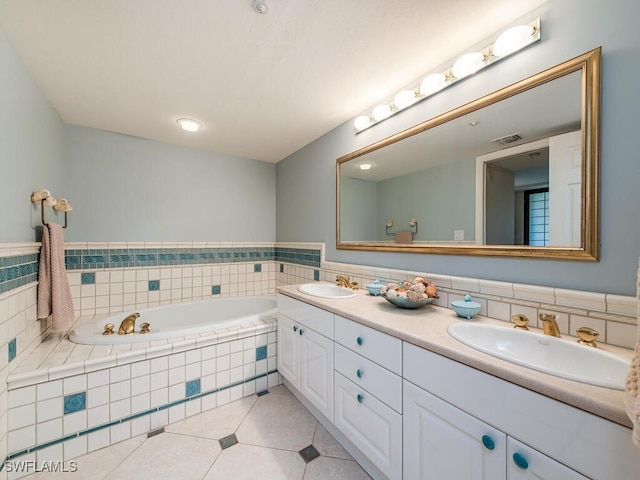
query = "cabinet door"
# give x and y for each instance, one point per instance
(289, 350)
(316, 369)
(524, 462)
(441, 441)
(372, 426)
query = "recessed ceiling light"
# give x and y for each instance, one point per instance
(189, 124)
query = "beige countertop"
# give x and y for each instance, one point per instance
(426, 327)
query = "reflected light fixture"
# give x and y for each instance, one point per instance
(189, 124)
(508, 42)
(365, 165)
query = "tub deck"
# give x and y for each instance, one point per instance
(57, 357)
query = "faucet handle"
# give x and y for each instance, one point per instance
(587, 336)
(521, 321)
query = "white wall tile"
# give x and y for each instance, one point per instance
(22, 438)
(622, 334)
(21, 416)
(74, 422)
(48, 431)
(48, 409)
(98, 416)
(22, 396)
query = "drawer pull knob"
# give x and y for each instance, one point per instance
(488, 442)
(359, 373)
(301, 331)
(360, 398)
(359, 340)
(520, 460)
(295, 329)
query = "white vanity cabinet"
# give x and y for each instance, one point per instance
(305, 351)
(441, 441)
(452, 407)
(368, 393)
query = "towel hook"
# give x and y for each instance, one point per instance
(46, 199)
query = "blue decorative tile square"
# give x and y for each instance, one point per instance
(192, 388)
(88, 278)
(154, 285)
(316, 275)
(13, 349)
(257, 267)
(75, 402)
(215, 290)
(282, 268)
(261, 353)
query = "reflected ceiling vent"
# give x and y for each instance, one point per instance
(507, 139)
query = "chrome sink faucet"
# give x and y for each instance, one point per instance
(549, 324)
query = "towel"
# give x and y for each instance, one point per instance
(54, 294)
(631, 394)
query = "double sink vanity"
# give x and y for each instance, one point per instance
(408, 400)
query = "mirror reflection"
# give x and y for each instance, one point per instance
(508, 174)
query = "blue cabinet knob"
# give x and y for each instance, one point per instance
(520, 460)
(360, 398)
(359, 340)
(488, 442)
(295, 329)
(359, 373)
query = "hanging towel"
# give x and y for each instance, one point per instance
(632, 391)
(54, 294)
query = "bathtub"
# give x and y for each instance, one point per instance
(179, 320)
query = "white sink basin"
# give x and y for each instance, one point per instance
(562, 358)
(325, 290)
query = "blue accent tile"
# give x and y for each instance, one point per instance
(261, 353)
(316, 275)
(88, 278)
(154, 285)
(75, 402)
(257, 267)
(192, 387)
(215, 290)
(13, 349)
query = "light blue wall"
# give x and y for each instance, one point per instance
(441, 198)
(31, 148)
(306, 179)
(130, 189)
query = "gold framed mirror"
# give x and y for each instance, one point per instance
(514, 173)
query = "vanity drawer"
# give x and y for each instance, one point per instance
(378, 347)
(378, 381)
(312, 317)
(373, 427)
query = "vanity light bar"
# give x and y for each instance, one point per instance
(508, 42)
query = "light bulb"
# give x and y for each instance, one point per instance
(362, 122)
(467, 64)
(513, 39)
(365, 166)
(404, 99)
(189, 124)
(381, 112)
(432, 83)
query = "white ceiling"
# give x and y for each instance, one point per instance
(263, 85)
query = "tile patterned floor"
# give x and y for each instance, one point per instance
(271, 429)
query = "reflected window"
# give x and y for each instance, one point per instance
(536, 211)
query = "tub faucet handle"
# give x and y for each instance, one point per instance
(521, 321)
(108, 329)
(144, 327)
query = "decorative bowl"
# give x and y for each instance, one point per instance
(375, 288)
(406, 303)
(466, 308)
